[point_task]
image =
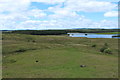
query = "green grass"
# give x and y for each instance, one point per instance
(58, 57)
(110, 33)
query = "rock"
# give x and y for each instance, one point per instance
(82, 65)
(85, 34)
(36, 61)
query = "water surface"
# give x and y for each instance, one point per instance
(93, 35)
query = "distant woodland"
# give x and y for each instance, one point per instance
(61, 32)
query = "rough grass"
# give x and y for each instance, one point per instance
(58, 57)
(110, 33)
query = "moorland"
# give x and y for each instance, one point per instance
(46, 55)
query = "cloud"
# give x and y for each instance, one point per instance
(111, 14)
(110, 0)
(18, 14)
(67, 23)
(49, 1)
(76, 5)
(36, 13)
(108, 24)
(89, 5)
(14, 5)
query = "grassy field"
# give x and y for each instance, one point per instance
(110, 33)
(58, 57)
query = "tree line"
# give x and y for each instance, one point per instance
(61, 32)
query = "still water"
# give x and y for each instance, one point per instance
(92, 35)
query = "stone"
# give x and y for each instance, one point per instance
(82, 65)
(36, 61)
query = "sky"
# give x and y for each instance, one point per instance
(58, 14)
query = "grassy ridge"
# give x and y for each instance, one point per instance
(58, 57)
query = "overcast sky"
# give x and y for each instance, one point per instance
(58, 14)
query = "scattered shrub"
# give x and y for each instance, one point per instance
(94, 45)
(29, 39)
(106, 44)
(9, 61)
(103, 49)
(12, 61)
(108, 51)
(33, 49)
(33, 41)
(21, 50)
